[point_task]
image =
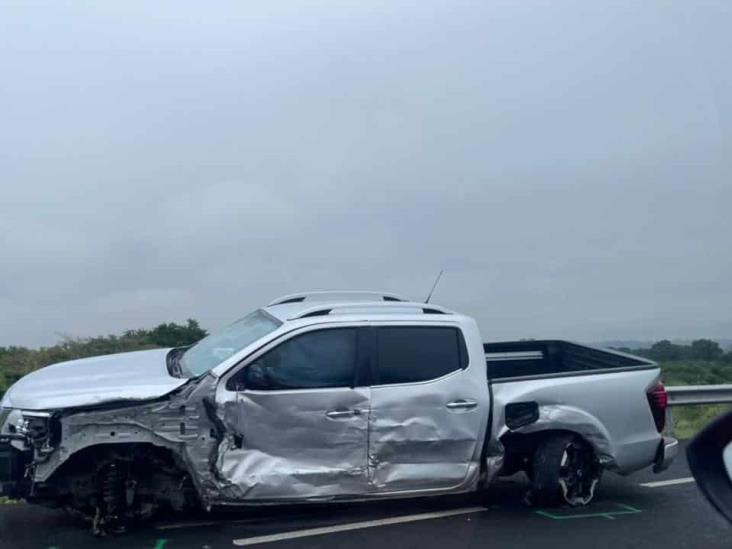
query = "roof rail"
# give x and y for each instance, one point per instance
(405, 307)
(336, 295)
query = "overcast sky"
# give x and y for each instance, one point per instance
(569, 164)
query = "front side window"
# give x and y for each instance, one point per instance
(314, 360)
(408, 354)
(214, 349)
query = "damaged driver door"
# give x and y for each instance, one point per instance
(299, 419)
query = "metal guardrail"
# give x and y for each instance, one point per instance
(691, 395)
(688, 395)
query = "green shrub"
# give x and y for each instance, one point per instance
(689, 420)
(15, 362)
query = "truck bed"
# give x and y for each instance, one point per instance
(553, 358)
(598, 394)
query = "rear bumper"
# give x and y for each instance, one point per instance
(667, 451)
(13, 464)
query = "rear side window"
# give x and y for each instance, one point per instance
(407, 354)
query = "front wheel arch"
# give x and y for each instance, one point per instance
(79, 483)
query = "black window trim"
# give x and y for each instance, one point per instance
(367, 356)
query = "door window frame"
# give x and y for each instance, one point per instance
(374, 370)
(361, 370)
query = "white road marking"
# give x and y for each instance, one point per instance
(671, 482)
(355, 526)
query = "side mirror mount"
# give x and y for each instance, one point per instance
(710, 460)
(256, 376)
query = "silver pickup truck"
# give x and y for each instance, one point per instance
(323, 397)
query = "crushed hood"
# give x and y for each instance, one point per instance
(140, 375)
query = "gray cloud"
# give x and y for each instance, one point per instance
(567, 164)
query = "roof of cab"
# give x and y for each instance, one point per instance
(364, 306)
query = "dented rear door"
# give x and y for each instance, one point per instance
(429, 410)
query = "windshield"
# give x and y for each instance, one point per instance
(214, 349)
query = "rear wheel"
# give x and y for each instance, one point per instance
(565, 470)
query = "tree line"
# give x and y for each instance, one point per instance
(699, 349)
(16, 361)
(702, 362)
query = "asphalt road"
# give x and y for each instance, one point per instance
(624, 514)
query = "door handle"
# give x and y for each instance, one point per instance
(461, 404)
(342, 414)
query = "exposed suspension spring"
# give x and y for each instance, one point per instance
(113, 490)
(111, 508)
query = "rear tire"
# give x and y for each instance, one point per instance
(565, 471)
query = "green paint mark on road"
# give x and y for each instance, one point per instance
(622, 510)
(7, 501)
(161, 543)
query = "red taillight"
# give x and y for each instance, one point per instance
(658, 401)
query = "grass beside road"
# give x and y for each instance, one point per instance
(689, 420)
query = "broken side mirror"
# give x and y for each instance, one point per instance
(710, 460)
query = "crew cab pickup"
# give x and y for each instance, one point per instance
(324, 397)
